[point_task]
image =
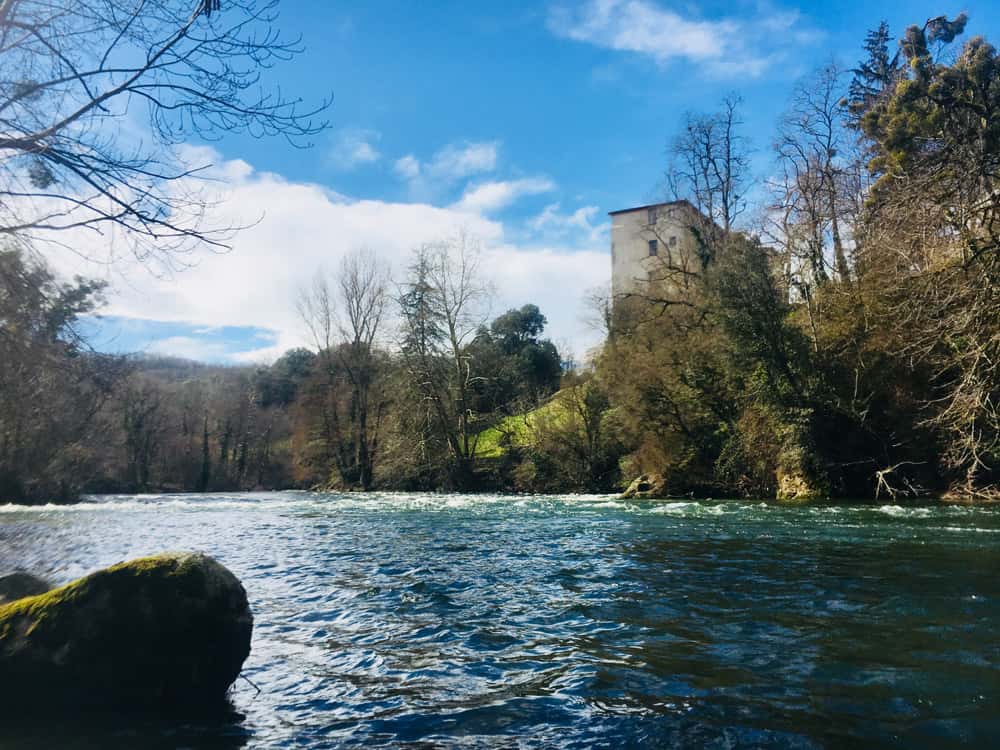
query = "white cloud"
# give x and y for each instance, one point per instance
(723, 47)
(189, 347)
(354, 147)
(492, 196)
(407, 167)
(455, 162)
(305, 227)
(555, 279)
(550, 222)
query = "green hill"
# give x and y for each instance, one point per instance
(517, 430)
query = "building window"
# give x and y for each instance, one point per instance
(654, 248)
(673, 241)
(651, 215)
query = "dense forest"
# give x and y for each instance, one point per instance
(836, 335)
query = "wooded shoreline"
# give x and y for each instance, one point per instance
(841, 339)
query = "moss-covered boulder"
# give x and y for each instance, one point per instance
(18, 584)
(157, 632)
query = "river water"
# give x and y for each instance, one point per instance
(572, 621)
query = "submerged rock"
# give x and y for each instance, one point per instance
(156, 632)
(18, 584)
(647, 486)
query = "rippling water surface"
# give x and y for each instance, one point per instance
(488, 621)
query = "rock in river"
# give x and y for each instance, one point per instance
(646, 486)
(19, 584)
(156, 632)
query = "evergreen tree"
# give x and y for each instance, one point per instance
(877, 73)
(422, 331)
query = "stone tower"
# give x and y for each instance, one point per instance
(650, 243)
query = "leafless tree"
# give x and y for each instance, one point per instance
(931, 257)
(142, 427)
(96, 96)
(344, 319)
(814, 191)
(597, 305)
(710, 163)
(708, 173)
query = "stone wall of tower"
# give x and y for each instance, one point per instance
(633, 265)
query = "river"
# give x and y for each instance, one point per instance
(419, 620)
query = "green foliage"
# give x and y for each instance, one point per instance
(518, 430)
(939, 116)
(51, 386)
(278, 385)
(459, 378)
(755, 317)
(875, 74)
(933, 259)
(516, 329)
(577, 446)
(519, 369)
(738, 368)
(882, 378)
(423, 331)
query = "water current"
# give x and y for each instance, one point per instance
(420, 620)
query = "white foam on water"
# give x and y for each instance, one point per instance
(900, 511)
(672, 509)
(153, 503)
(390, 502)
(970, 529)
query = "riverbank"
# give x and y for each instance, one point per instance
(656, 490)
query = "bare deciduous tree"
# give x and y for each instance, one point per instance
(96, 96)
(344, 319)
(142, 427)
(814, 192)
(710, 163)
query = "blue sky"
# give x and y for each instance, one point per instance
(526, 122)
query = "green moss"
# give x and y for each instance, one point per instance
(36, 608)
(166, 564)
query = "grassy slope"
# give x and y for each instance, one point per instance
(518, 428)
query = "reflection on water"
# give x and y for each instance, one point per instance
(484, 621)
(226, 730)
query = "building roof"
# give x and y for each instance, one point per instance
(682, 202)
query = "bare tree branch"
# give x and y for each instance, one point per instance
(79, 78)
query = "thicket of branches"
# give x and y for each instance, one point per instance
(845, 340)
(98, 101)
(96, 96)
